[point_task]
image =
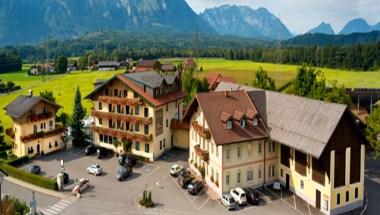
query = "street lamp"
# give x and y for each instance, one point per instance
(2, 175)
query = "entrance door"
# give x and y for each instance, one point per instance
(38, 149)
(318, 199)
(287, 182)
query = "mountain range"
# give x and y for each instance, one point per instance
(245, 21)
(34, 21)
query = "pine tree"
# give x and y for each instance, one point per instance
(1, 134)
(76, 123)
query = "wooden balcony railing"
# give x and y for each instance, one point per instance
(204, 155)
(58, 130)
(125, 135)
(121, 117)
(41, 116)
(120, 101)
(10, 133)
(204, 132)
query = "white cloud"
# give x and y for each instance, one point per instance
(301, 15)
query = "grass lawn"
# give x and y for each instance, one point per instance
(63, 87)
(244, 72)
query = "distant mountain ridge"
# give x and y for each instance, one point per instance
(30, 21)
(359, 25)
(323, 28)
(245, 22)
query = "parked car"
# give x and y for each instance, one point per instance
(252, 197)
(81, 186)
(90, 149)
(175, 169)
(239, 195)
(34, 169)
(66, 178)
(277, 186)
(195, 187)
(183, 172)
(184, 180)
(123, 173)
(228, 201)
(130, 160)
(102, 153)
(95, 169)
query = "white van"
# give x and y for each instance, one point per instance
(239, 195)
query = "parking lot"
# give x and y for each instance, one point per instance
(106, 194)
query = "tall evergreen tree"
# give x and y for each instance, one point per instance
(48, 95)
(76, 122)
(263, 80)
(1, 134)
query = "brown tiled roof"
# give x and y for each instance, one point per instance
(147, 63)
(175, 124)
(238, 115)
(224, 117)
(251, 114)
(167, 67)
(143, 69)
(213, 79)
(162, 100)
(216, 106)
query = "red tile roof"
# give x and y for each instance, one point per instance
(218, 108)
(213, 79)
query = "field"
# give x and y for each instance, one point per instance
(244, 72)
(63, 86)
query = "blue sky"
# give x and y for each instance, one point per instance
(301, 15)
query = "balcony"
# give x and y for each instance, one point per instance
(120, 101)
(122, 117)
(203, 155)
(203, 132)
(10, 133)
(123, 134)
(39, 117)
(58, 130)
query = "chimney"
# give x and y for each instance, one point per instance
(30, 94)
(226, 93)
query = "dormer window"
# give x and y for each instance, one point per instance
(229, 124)
(255, 122)
(243, 123)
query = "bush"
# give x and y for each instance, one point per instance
(5, 147)
(28, 177)
(14, 206)
(146, 201)
(18, 161)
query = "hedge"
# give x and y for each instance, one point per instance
(29, 177)
(18, 161)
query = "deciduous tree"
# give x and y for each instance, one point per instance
(263, 80)
(373, 131)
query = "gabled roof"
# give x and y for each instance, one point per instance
(301, 123)
(168, 67)
(22, 104)
(147, 63)
(162, 100)
(151, 79)
(108, 63)
(217, 108)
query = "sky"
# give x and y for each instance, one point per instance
(302, 15)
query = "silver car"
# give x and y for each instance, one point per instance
(229, 202)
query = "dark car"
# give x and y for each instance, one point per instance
(123, 173)
(184, 180)
(90, 149)
(102, 153)
(183, 172)
(35, 169)
(128, 159)
(195, 187)
(252, 197)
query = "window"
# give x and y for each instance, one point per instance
(302, 184)
(50, 145)
(119, 109)
(137, 110)
(100, 121)
(250, 175)
(160, 144)
(272, 146)
(101, 139)
(50, 124)
(164, 143)
(146, 129)
(273, 170)
(167, 108)
(356, 193)
(137, 127)
(115, 92)
(56, 144)
(110, 123)
(135, 95)
(146, 112)
(100, 105)
(228, 152)
(228, 179)
(146, 147)
(167, 123)
(259, 175)
(137, 146)
(255, 122)
(229, 124)
(107, 92)
(118, 123)
(249, 149)
(242, 123)
(42, 126)
(259, 148)
(216, 150)
(238, 152)
(338, 199)
(347, 196)
(282, 173)
(125, 93)
(34, 129)
(238, 177)
(109, 107)
(126, 109)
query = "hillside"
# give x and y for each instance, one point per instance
(246, 22)
(29, 21)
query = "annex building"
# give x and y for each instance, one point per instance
(242, 136)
